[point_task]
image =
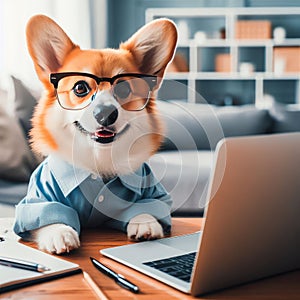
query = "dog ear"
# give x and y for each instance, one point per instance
(153, 46)
(48, 45)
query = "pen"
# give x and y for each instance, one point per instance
(22, 264)
(119, 279)
(94, 286)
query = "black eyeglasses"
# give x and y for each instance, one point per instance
(76, 90)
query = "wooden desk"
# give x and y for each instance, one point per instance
(75, 287)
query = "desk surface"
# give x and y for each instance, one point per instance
(74, 287)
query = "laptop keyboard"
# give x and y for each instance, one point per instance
(178, 266)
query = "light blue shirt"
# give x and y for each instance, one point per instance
(60, 193)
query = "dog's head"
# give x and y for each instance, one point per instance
(98, 109)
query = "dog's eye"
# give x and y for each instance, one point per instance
(122, 90)
(81, 89)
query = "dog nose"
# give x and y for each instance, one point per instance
(105, 114)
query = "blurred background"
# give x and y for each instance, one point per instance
(85, 22)
(90, 23)
(241, 56)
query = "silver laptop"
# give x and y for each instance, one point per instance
(252, 221)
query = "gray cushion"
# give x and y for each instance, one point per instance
(200, 126)
(16, 159)
(185, 176)
(184, 131)
(286, 118)
(23, 102)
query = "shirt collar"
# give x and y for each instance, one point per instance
(69, 177)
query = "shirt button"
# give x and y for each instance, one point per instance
(101, 198)
(94, 176)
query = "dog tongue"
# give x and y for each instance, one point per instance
(104, 134)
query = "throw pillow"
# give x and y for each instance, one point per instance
(16, 159)
(23, 102)
(286, 118)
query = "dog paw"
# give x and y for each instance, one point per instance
(144, 227)
(56, 238)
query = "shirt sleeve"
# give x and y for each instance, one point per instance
(41, 205)
(154, 200)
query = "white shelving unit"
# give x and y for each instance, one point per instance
(202, 75)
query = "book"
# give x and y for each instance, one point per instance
(12, 278)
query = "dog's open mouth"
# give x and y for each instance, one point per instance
(102, 135)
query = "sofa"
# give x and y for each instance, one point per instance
(183, 163)
(193, 130)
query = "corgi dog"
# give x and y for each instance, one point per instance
(97, 116)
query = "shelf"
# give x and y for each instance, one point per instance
(206, 43)
(288, 42)
(209, 46)
(239, 43)
(178, 75)
(224, 76)
(183, 12)
(288, 76)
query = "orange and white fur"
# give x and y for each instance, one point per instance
(148, 51)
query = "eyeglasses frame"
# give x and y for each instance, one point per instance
(56, 77)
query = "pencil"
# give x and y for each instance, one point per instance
(94, 286)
